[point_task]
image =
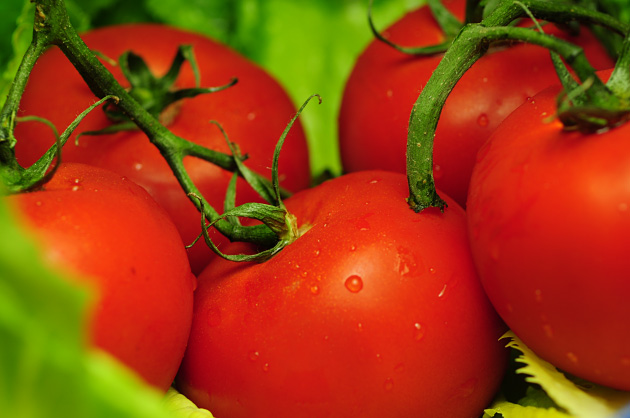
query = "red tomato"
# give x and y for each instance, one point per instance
(374, 311)
(385, 84)
(549, 231)
(254, 113)
(108, 231)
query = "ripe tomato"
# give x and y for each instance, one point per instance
(549, 229)
(374, 311)
(109, 234)
(254, 113)
(385, 84)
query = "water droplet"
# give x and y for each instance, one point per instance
(360, 327)
(389, 92)
(437, 172)
(379, 358)
(418, 332)
(400, 367)
(482, 120)
(314, 289)
(625, 361)
(254, 355)
(538, 295)
(442, 292)
(572, 357)
(251, 116)
(432, 270)
(138, 166)
(353, 247)
(76, 185)
(265, 367)
(354, 283)
(389, 384)
(548, 330)
(623, 207)
(316, 253)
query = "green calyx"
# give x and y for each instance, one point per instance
(155, 94)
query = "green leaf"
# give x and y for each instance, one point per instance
(575, 398)
(46, 369)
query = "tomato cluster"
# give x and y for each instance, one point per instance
(374, 310)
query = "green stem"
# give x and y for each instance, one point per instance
(52, 20)
(470, 45)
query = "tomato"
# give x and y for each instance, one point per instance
(111, 236)
(385, 84)
(549, 228)
(374, 311)
(254, 113)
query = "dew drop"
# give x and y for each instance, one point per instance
(316, 253)
(265, 367)
(389, 384)
(251, 116)
(437, 172)
(548, 330)
(538, 295)
(400, 367)
(353, 247)
(254, 355)
(442, 292)
(418, 332)
(354, 283)
(137, 166)
(482, 120)
(314, 289)
(389, 92)
(572, 357)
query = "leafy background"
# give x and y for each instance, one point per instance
(308, 45)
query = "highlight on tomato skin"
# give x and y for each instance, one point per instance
(254, 113)
(549, 229)
(385, 83)
(108, 234)
(373, 311)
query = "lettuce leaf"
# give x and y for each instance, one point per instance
(554, 394)
(46, 369)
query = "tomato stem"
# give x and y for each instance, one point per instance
(471, 44)
(52, 27)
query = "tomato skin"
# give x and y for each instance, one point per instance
(374, 311)
(254, 113)
(108, 234)
(385, 83)
(549, 230)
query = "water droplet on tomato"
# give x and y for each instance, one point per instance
(138, 166)
(573, 358)
(316, 253)
(251, 116)
(418, 331)
(483, 120)
(625, 361)
(314, 289)
(265, 367)
(400, 367)
(538, 295)
(353, 247)
(76, 185)
(623, 207)
(437, 172)
(389, 384)
(254, 355)
(354, 283)
(548, 330)
(442, 292)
